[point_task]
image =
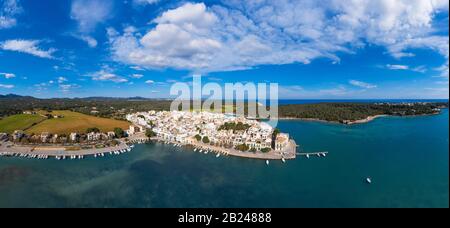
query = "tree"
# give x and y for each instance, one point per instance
(198, 137)
(242, 147)
(266, 150)
(150, 133)
(120, 133)
(276, 132)
(206, 139)
(151, 124)
(92, 129)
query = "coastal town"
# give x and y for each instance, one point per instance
(221, 133)
(205, 132)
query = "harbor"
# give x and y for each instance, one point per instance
(288, 154)
(61, 153)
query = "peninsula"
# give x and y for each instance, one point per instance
(216, 132)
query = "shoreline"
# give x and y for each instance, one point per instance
(62, 152)
(12, 150)
(289, 153)
(353, 122)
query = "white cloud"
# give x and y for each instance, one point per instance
(62, 80)
(361, 84)
(8, 75)
(149, 82)
(40, 87)
(107, 75)
(27, 46)
(299, 92)
(243, 34)
(3, 86)
(66, 88)
(420, 69)
(8, 10)
(137, 76)
(138, 68)
(89, 13)
(397, 67)
(90, 41)
(144, 2)
(444, 69)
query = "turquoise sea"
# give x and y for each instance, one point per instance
(406, 157)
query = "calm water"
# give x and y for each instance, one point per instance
(407, 159)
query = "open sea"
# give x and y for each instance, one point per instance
(406, 157)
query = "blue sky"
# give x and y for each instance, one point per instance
(327, 49)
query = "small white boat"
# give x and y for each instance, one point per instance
(307, 156)
(267, 162)
(283, 160)
(369, 180)
(324, 154)
(218, 155)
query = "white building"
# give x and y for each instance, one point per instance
(111, 135)
(282, 141)
(94, 136)
(18, 134)
(44, 137)
(73, 137)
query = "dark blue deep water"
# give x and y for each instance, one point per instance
(407, 159)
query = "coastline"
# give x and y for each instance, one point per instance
(62, 152)
(58, 152)
(353, 122)
(43, 152)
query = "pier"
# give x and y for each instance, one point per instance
(318, 154)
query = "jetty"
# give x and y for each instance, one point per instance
(318, 154)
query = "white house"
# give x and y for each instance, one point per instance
(73, 137)
(282, 141)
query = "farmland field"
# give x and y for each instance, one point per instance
(76, 122)
(70, 122)
(19, 122)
